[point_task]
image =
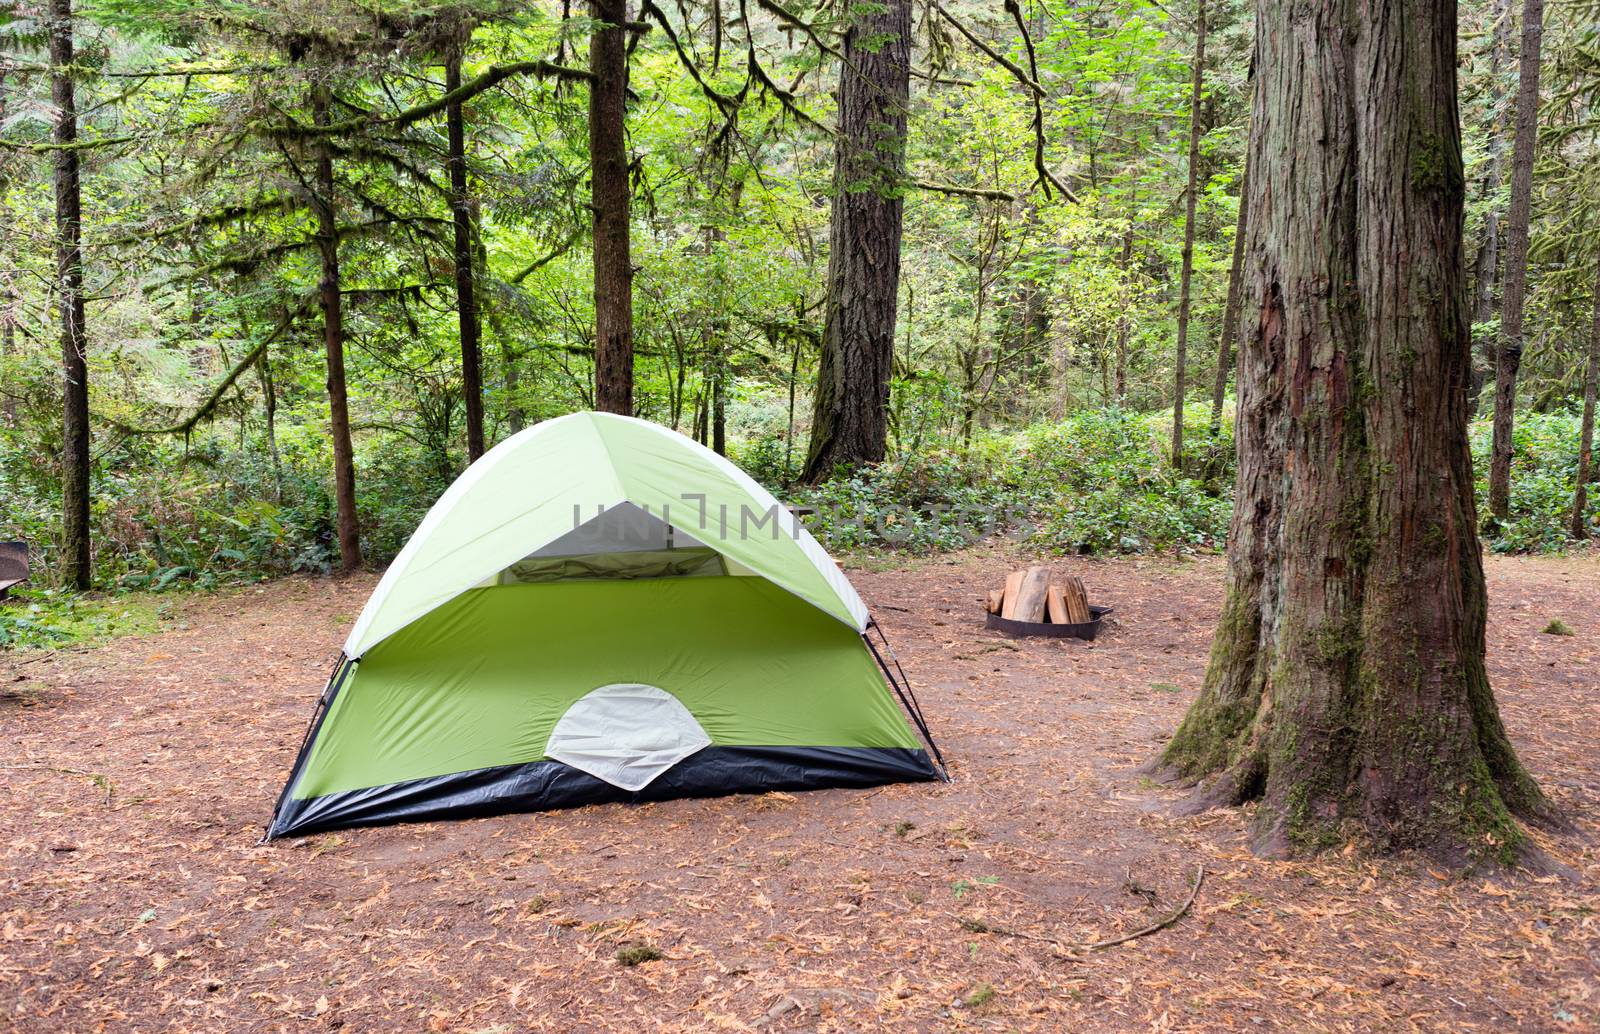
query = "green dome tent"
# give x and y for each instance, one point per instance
(600, 609)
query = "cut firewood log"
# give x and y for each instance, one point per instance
(1055, 606)
(1008, 595)
(1029, 603)
(996, 597)
(1075, 601)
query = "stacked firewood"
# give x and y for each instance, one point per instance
(1033, 595)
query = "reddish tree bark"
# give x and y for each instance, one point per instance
(1516, 272)
(1346, 688)
(850, 413)
(610, 194)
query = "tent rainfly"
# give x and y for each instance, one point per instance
(601, 609)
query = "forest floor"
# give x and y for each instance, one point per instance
(136, 776)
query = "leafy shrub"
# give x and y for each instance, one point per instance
(45, 618)
(1096, 482)
(1544, 472)
(169, 515)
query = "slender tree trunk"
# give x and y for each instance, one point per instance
(465, 263)
(1125, 323)
(1346, 688)
(1580, 494)
(269, 409)
(1516, 273)
(516, 416)
(8, 340)
(719, 409)
(716, 242)
(850, 412)
(613, 266)
(1230, 311)
(794, 380)
(1486, 267)
(344, 463)
(1191, 197)
(76, 565)
(8, 290)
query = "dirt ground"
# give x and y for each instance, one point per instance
(135, 895)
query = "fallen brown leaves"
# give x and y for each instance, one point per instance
(134, 894)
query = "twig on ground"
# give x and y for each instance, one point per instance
(96, 778)
(1162, 924)
(975, 925)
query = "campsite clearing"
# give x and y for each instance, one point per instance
(135, 779)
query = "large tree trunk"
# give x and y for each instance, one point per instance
(608, 153)
(1486, 267)
(1186, 276)
(76, 565)
(1230, 311)
(344, 463)
(1516, 272)
(1580, 494)
(466, 297)
(850, 413)
(1346, 688)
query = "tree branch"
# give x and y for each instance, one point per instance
(544, 260)
(1047, 179)
(488, 80)
(994, 55)
(951, 188)
(210, 404)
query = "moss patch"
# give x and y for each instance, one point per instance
(635, 954)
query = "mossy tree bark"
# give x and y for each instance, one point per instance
(1486, 267)
(1125, 323)
(1508, 360)
(76, 566)
(850, 421)
(1186, 277)
(1591, 382)
(1346, 688)
(9, 295)
(1230, 312)
(344, 459)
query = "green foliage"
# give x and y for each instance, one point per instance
(1544, 471)
(1032, 359)
(47, 618)
(1107, 486)
(1097, 482)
